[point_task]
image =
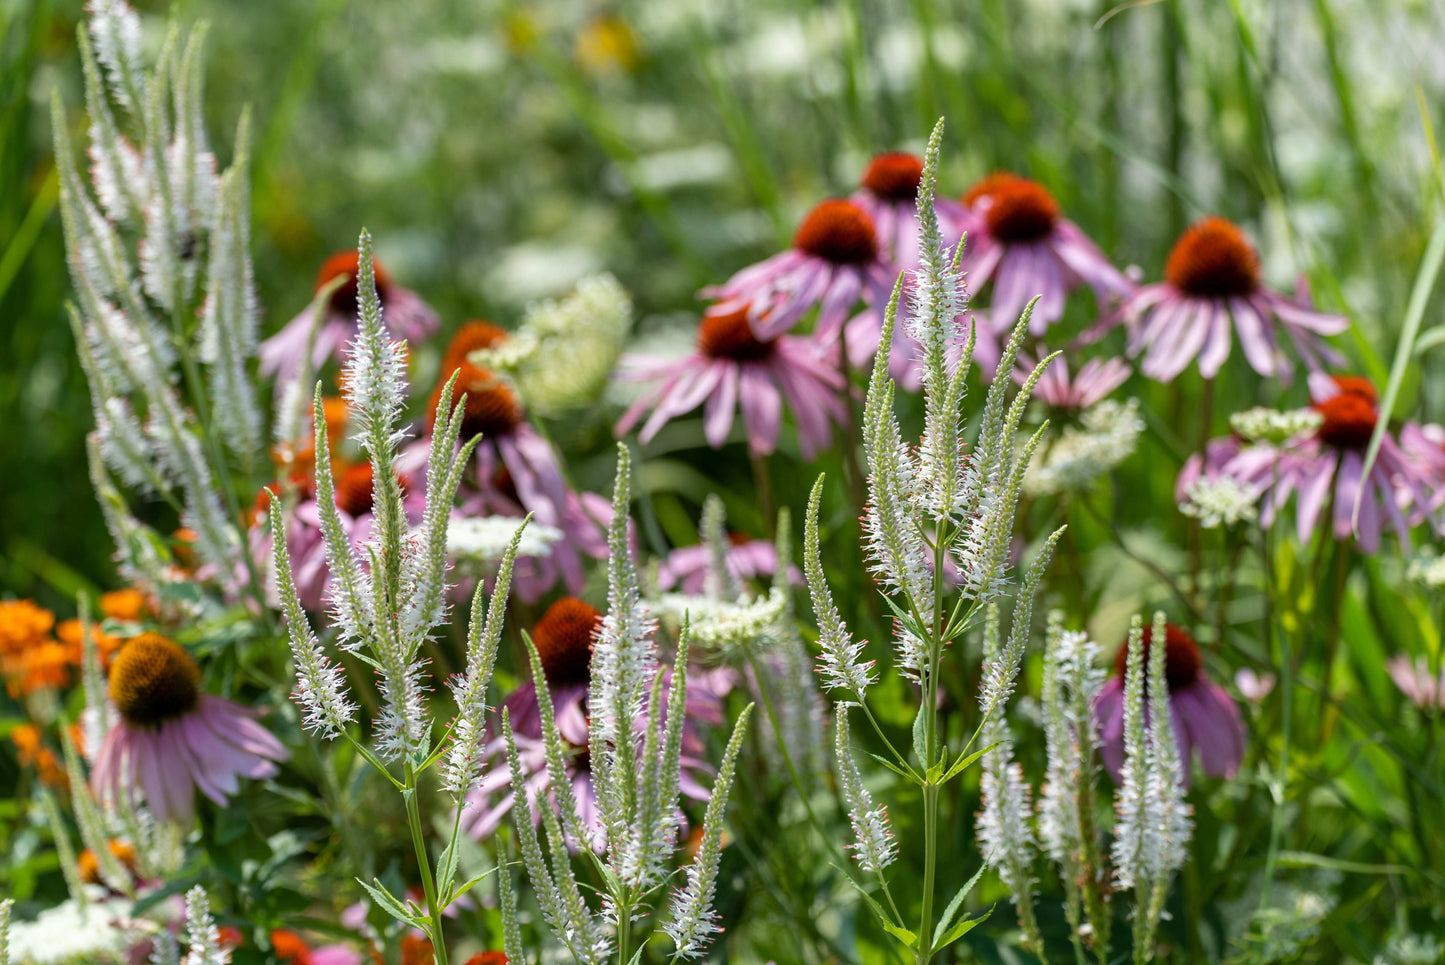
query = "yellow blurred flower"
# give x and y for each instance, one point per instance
(607, 45)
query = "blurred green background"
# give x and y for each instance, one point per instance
(498, 153)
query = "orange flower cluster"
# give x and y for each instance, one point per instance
(32, 753)
(36, 654)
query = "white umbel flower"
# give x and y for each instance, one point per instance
(1261, 424)
(1220, 501)
(482, 540)
(75, 932)
(1105, 437)
(563, 353)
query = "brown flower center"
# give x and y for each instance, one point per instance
(1182, 661)
(153, 680)
(473, 336)
(343, 300)
(985, 186)
(1357, 385)
(492, 407)
(1213, 258)
(894, 175)
(1017, 210)
(563, 638)
(838, 231)
(730, 336)
(354, 489)
(1349, 420)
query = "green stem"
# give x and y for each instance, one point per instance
(423, 860)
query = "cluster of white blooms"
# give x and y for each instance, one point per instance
(83, 930)
(1274, 426)
(562, 354)
(1220, 501)
(160, 241)
(481, 541)
(874, 845)
(1153, 824)
(742, 626)
(1428, 568)
(1106, 435)
(636, 780)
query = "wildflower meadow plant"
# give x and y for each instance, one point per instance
(929, 509)
(378, 673)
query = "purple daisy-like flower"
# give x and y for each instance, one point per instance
(1019, 241)
(1206, 721)
(836, 261)
(1093, 383)
(171, 738)
(564, 638)
(733, 369)
(1327, 467)
(515, 472)
(1212, 282)
(888, 194)
(686, 568)
(304, 540)
(407, 317)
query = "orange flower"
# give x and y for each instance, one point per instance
(127, 604)
(105, 644)
(22, 623)
(416, 950)
(90, 867)
(46, 664)
(32, 753)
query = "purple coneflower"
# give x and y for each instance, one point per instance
(835, 261)
(686, 568)
(888, 194)
(406, 315)
(1020, 241)
(1206, 721)
(171, 738)
(1327, 466)
(1093, 383)
(1416, 681)
(1210, 281)
(304, 541)
(517, 471)
(564, 638)
(733, 368)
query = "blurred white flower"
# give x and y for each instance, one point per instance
(484, 539)
(1221, 501)
(71, 932)
(561, 355)
(1105, 437)
(1262, 424)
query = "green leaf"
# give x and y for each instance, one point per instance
(900, 771)
(961, 929)
(468, 886)
(940, 934)
(447, 867)
(1409, 331)
(966, 761)
(388, 903)
(920, 736)
(905, 936)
